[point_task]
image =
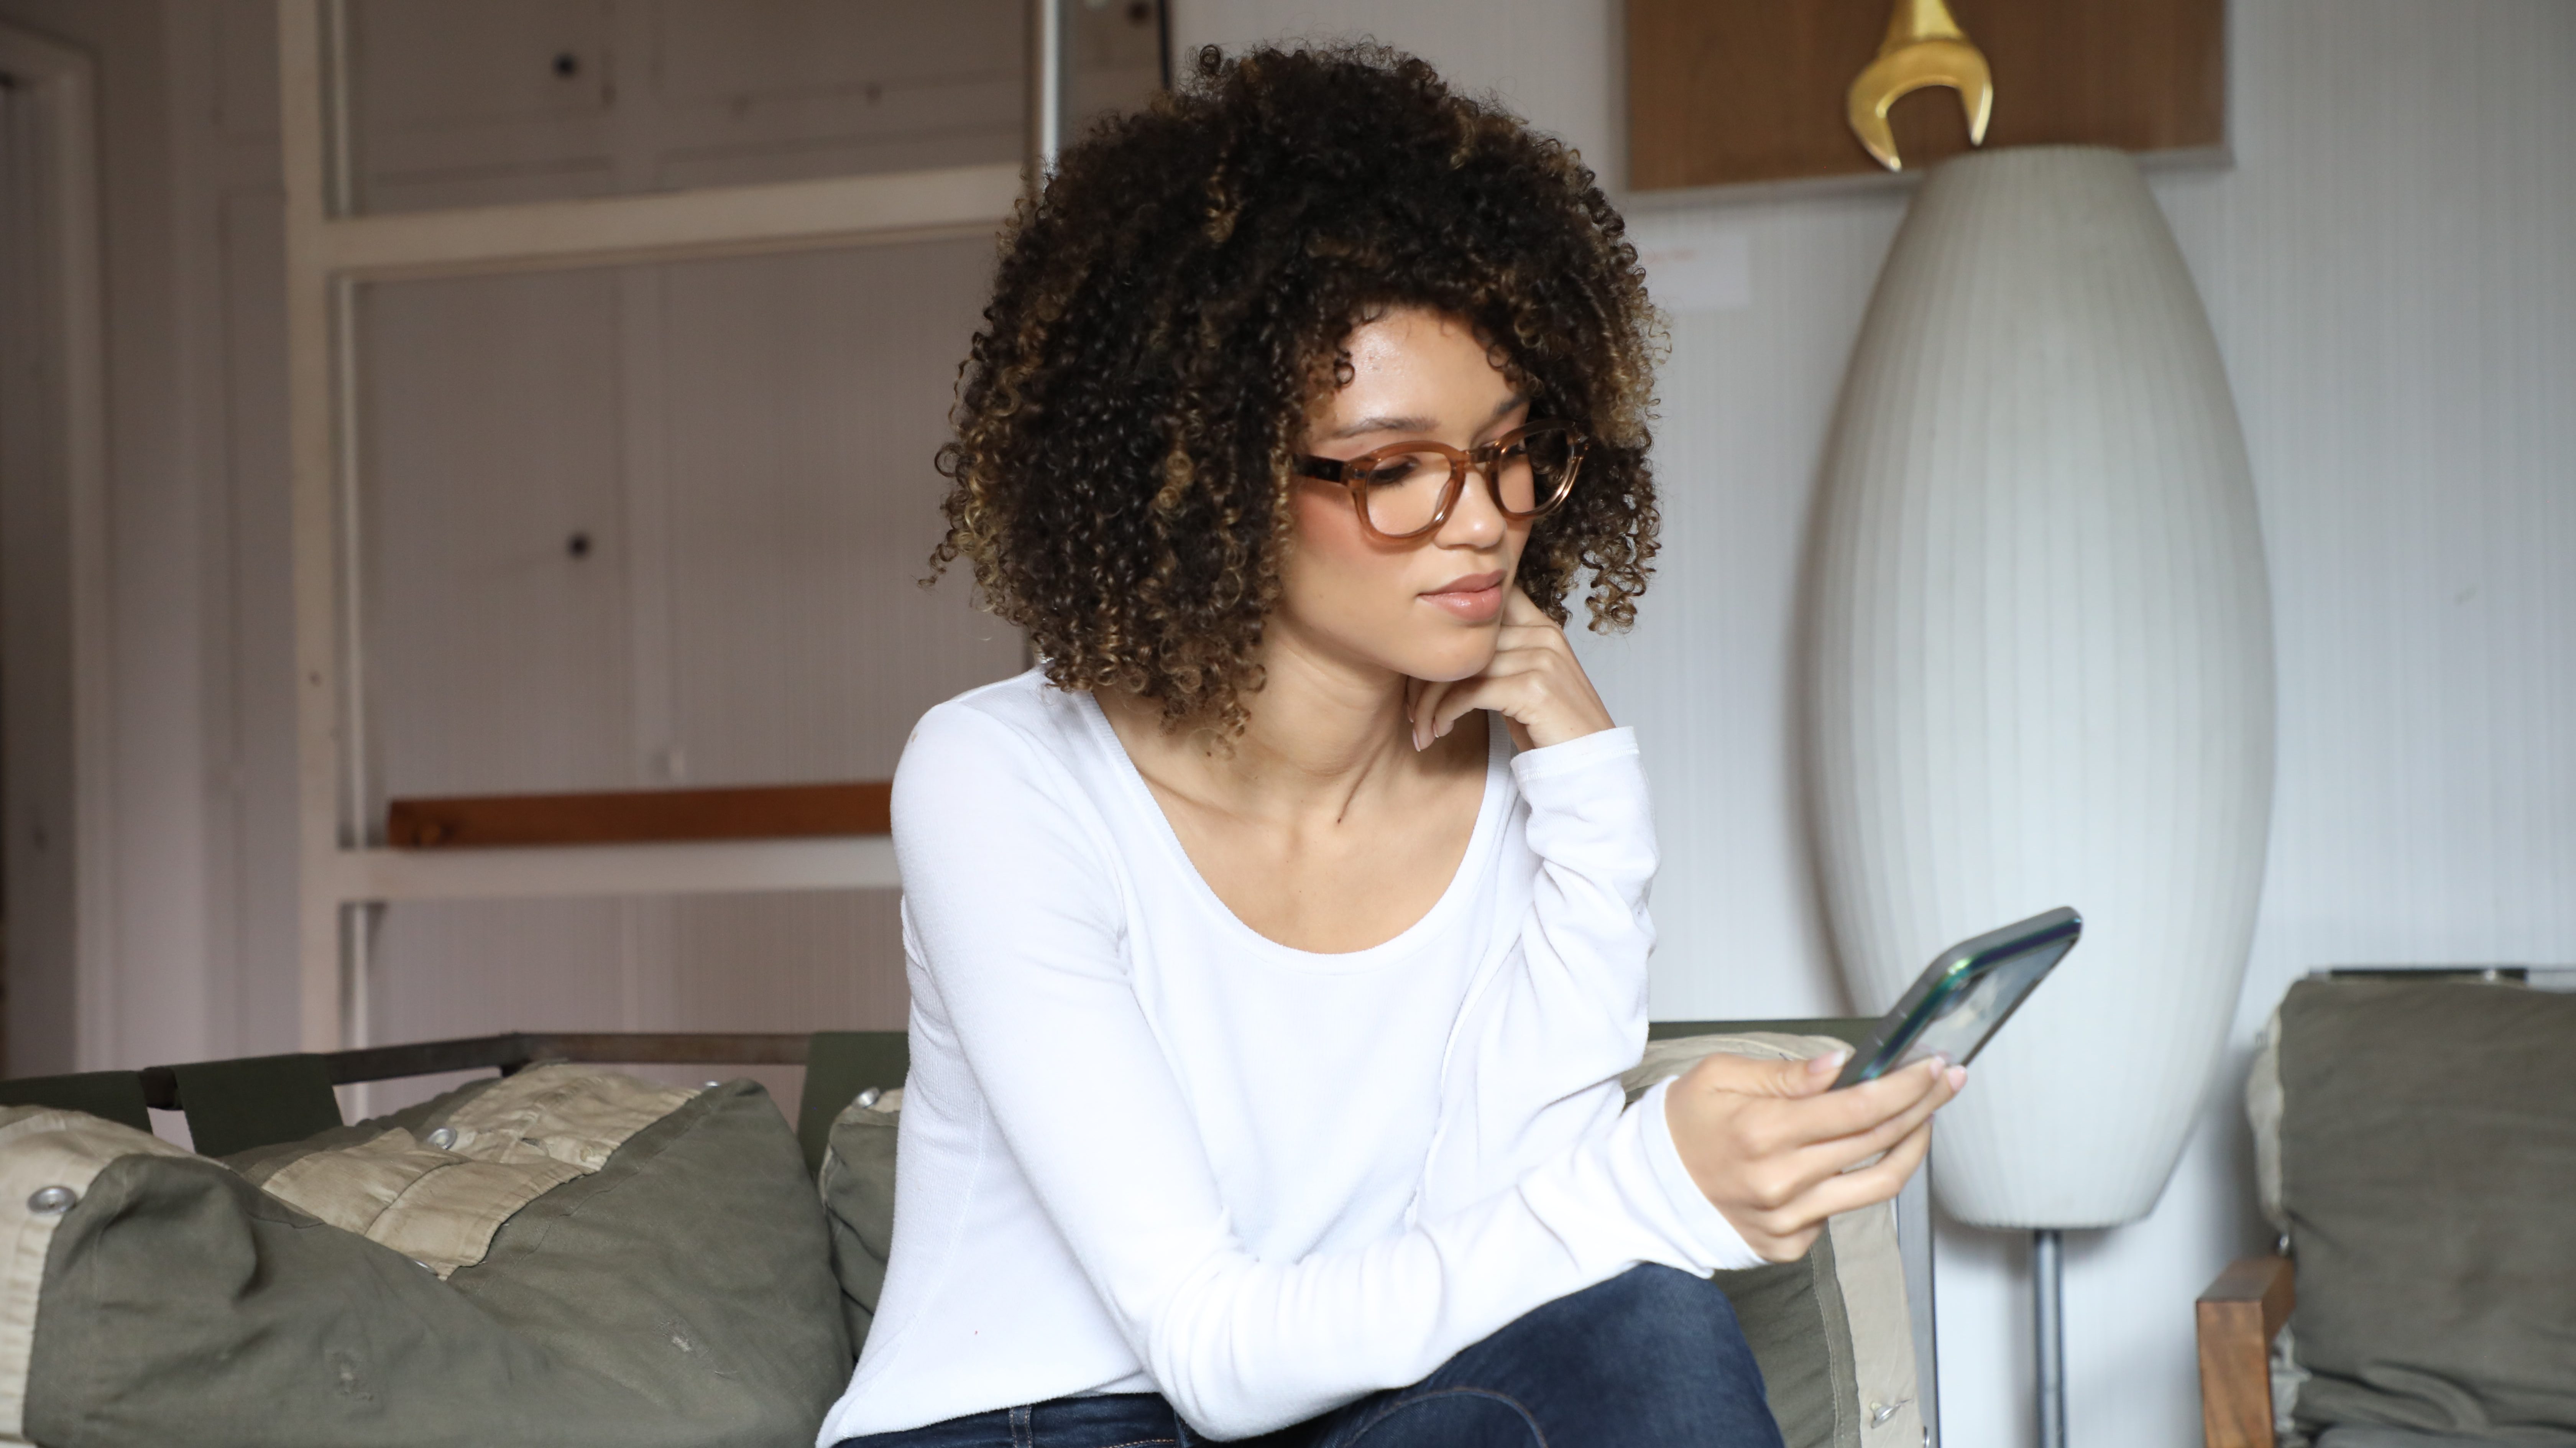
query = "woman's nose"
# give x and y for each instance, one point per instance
(1477, 521)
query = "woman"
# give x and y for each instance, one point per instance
(1268, 1002)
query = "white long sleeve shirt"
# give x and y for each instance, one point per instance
(1146, 1149)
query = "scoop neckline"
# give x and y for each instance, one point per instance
(1403, 943)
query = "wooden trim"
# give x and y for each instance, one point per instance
(706, 867)
(509, 1052)
(714, 221)
(2239, 1315)
(312, 480)
(633, 817)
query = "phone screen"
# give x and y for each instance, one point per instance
(1964, 1017)
(1966, 996)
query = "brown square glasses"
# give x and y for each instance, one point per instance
(1406, 489)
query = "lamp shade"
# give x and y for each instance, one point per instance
(2040, 670)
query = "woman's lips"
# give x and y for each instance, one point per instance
(1476, 598)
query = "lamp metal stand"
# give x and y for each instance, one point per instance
(2048, 1332)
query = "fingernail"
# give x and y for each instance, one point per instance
(1958, 1079)
(1828, 1062)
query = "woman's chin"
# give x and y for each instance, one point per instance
(1449, 665)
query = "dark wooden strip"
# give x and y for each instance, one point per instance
(427, 1058)
(236, 1106)
(117, 1096)
(2238, 1317)
(645, 1048)
(649, 816)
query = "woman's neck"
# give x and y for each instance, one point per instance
(1319, 826)
(1320, 734)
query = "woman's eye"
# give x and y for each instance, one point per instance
(1391, 471)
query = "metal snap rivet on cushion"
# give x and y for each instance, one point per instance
(53, 1201)
(869, 1097)
(443, 1138)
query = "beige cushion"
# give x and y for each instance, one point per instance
(1833, 1332)
(438, 1196)
(48, 1159)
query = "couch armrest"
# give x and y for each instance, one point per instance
(2240, 1314)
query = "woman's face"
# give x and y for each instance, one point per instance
(1429, 607)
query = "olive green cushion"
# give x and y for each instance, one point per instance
(2417, 1140)
(858, 1201)
(676, 1292)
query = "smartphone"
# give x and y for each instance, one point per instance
(1965, 996)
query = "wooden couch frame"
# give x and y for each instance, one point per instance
(2238, 1317)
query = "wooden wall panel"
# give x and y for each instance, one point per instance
(1722, 92)
(475, 102)
(804, 398)
(493, 515)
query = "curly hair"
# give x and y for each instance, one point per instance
(1168, 314)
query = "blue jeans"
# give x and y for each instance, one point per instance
(1651, 1358)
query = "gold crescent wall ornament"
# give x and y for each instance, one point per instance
(1924, 47)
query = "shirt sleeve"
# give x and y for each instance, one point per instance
(1018, 915)
(1534, 1064)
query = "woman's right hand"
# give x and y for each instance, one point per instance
(1777, 1150)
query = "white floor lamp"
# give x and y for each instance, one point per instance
(2041, 674)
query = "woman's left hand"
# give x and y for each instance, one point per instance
(1533, 682)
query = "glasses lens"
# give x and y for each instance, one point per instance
(1536, 471)
(1404, 490)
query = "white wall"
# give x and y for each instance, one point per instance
(2390, 265)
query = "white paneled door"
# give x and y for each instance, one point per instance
(622, 337)
(657, 525)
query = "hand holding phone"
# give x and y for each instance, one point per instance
(1777, 1151)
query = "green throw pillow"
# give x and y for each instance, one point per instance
(565, 1257)
(858, 1199)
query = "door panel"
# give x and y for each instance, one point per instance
(492, 514)
(806, 397)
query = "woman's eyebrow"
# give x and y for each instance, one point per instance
(1415, 424)
(1384, 424)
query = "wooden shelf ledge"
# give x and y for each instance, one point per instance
(642, 816)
